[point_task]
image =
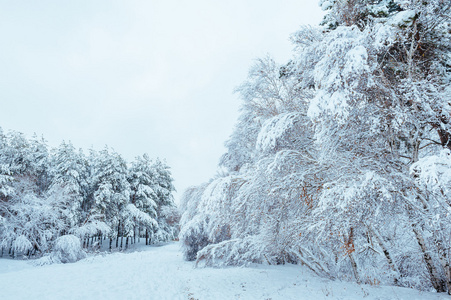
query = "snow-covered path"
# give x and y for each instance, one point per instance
(161, 273)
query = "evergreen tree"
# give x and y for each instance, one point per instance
(143, 198)
(68, 177)
(51, 201)
(5, 173)
(163, 187)
(111, 190)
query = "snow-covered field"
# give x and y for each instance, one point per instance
(161, 273)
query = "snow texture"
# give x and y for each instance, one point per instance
(161, 273)
(276, 128)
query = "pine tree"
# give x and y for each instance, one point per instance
(163, 187)
(68, 179)
(143, 198)
(111, 191)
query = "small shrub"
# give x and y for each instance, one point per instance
(67, 249)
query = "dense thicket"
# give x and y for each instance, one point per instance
(341, 157)
(50, 200)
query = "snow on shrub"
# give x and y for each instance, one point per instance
(67, 249)
(22, 244)
(194, 238)
(234, 252)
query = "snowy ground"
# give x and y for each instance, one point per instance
(161, 273)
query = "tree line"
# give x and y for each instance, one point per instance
(48, 193)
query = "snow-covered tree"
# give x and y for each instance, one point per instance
(143, 197)
(5, 173)
(337, 160)
(52, 200)
(68, 178)
(166, 212)
(30, 224)
(111, 190)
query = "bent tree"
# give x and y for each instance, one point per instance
(341, 156)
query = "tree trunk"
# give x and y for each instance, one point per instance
(126, 243)
(444, 135)
(447, 269)
(386, 254)
(437, 283)
(445, 138)
(444, 260)
(118, 231)
(350, 249)
(354, 268)
(111, 243)
(147, 236)
(416, 151)
(134, 235)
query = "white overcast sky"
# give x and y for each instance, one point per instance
(152, 76)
